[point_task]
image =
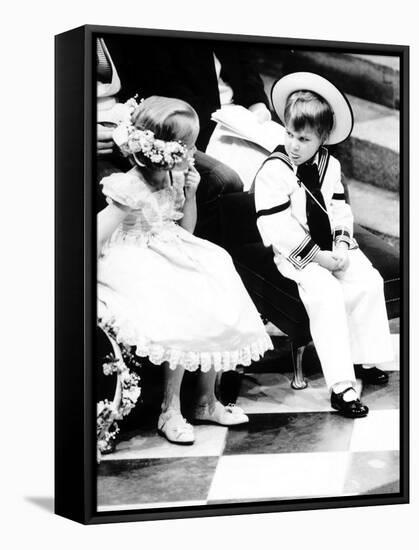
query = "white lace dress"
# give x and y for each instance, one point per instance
(176, 297)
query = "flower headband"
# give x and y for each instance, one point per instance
(164, 155)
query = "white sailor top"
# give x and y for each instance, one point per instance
(280, 200)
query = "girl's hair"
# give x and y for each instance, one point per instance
(306, 108)
(168, 118)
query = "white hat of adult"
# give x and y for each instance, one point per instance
(343, 119)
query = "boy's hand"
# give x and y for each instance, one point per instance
(192, 179)
(342, 256)
(326, 259)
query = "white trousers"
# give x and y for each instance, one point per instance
(347, 312)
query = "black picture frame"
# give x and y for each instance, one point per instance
(75, 279)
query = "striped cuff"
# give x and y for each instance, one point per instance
(304, 253)
(341, 234)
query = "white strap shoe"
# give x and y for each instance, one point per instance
(217, 413)
(174, 428)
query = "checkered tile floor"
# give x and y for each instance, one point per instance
(294, 446)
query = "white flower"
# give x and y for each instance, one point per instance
(159, 144)
(146, 146)
(131, 104)
(156, 158)
(102, 445)
(135, 394)
(100, 407)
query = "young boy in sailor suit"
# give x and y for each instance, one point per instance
(303, 214)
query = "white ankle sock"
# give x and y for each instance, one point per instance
(350, 395)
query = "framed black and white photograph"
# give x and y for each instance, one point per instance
(232, 272)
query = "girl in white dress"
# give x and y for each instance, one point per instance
(175, 297)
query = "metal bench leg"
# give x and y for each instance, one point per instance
(298, 381)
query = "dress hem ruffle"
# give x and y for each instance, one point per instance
(189, 360)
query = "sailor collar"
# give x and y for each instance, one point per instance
(321, 159)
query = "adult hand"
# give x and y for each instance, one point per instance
(192, 179)
(104, 141)
(261, 112)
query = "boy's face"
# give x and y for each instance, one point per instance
(301, 145)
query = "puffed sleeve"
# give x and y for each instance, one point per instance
(124, 190)
(342, 220)
(277, 226)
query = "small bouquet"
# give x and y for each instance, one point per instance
(127, 393)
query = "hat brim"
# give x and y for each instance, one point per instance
(343, 119)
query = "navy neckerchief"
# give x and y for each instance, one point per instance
(317, 218)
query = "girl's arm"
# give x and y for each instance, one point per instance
(107, 221)
(188, 221)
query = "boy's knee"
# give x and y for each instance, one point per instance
(373, 283)
(323, 285)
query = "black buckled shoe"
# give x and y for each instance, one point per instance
(350, 409)
(371, 376)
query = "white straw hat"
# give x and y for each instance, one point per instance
(343, 119)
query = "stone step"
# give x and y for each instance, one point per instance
(376, 123)
(375, 78)
(374, 208)
(390, 61)
(371, 154)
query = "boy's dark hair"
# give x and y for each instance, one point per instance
(306, 108)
